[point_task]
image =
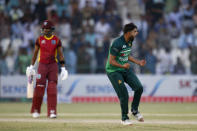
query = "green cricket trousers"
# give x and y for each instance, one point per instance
(117, 79)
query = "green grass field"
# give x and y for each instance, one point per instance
(99, 117)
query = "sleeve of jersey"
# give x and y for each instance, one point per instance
(114, 50)
(59, 44)
(38, 42)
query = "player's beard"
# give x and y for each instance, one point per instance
(48, 34)
(131, 38)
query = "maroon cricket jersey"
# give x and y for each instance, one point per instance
(48, 49)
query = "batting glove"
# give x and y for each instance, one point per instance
(30, 71)
(64, 73)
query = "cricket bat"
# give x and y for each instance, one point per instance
(30, 87)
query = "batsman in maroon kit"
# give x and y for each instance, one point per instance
(47, 47)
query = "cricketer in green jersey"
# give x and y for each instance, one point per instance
(119, 71)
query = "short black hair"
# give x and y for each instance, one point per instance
(129, 27)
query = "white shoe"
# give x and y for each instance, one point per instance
(126, 122)
(53, 115)
(35, 115)
(139, 117)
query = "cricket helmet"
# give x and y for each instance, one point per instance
(47, 24)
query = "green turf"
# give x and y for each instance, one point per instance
(69, 113)
(90, 127)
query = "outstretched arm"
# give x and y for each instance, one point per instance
(139, 62)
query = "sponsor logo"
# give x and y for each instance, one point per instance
(185, 83)
(123, 59)
(157, 86)
(99, 89)
(124, 46)
(13, 90)
(126, 51)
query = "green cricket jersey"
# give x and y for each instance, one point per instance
(121, 49)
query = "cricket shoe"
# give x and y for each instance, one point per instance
(35, 115)
(138, 116)
(53, 116)
(126, 122)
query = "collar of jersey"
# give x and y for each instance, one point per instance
(123, 39)
(48, 38)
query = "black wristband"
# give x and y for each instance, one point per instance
(62, 62)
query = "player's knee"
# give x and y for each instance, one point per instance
(40, 85)
(52, 89)
(39, 90)
(124, 98)
(52, 84)
(127, 96)
(140, 89)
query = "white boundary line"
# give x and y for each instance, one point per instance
(95, 121)
(99, 114)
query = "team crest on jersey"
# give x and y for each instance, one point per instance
(119, 81)
(53, 42)
(43, 42)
